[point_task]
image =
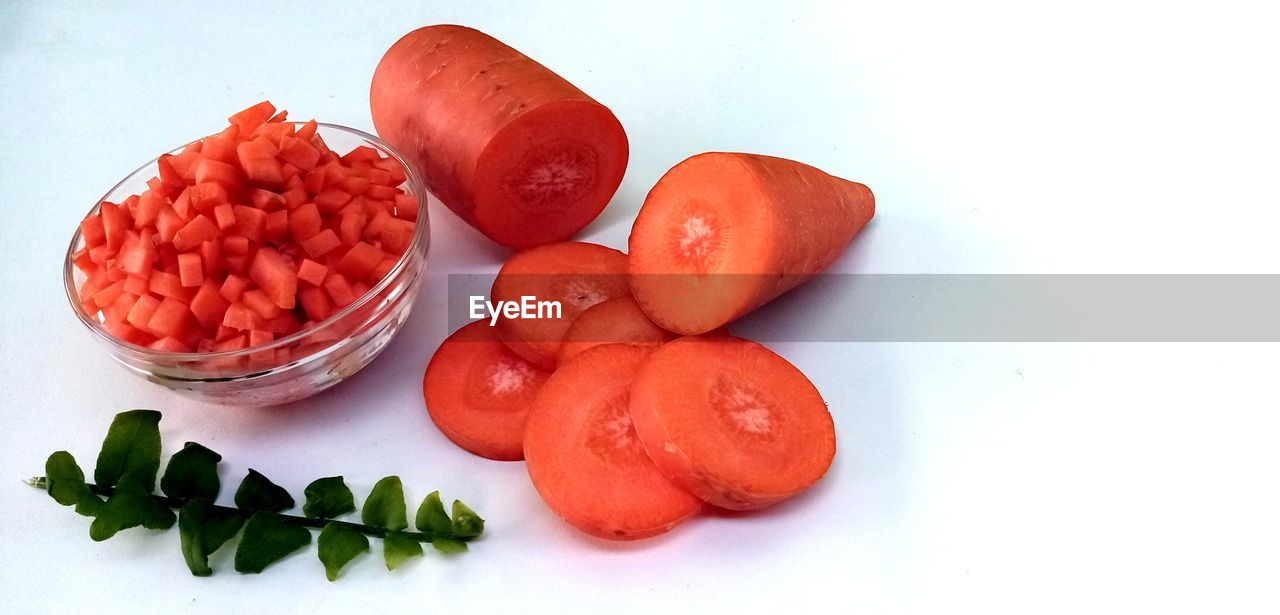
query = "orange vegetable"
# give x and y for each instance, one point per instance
(609, 322)
(584, 457)
(732, 422)
(511, 147)
(478, 392)
(576, 274)
(721, 234)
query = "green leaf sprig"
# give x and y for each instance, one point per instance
(125, 476)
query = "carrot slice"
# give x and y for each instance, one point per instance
(584, 456)
(478, 392)
(721, 234)
(618, 320)
(732, 422)
(578, 275)
(511, 147)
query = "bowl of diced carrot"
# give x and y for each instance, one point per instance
(256, 266)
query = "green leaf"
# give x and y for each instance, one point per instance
(466, 523)
(131, 451)
(129, 506)
(432, 517)
(385, 506)
(192, 473)
(202, 529)
(396, 548)
(258, 493)
(268, 539)
(339, 544)
(449, 545)
(328, 498)
(65, 482)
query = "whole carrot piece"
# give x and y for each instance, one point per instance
(722, 233)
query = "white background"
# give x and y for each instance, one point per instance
(998, 137)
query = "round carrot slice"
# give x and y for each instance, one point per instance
(617, 320)
(732, 422)
(478, 392)
(577, 275)
(584, 457)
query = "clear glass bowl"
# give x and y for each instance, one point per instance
(292, 367)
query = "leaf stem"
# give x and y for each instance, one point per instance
(40, 482)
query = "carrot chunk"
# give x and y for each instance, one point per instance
(190, 269)
(312, 272)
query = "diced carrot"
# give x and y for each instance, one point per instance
(373, 229)
(276, 225)
(119, 309)
(137, 285)
(143, 309)
(275, 277)
(220, 147)
(238, 342)
(396, 235)
(169, 344)
(239, 316)
(92, 232)
(351, 224)
(731, 422)
(250, 222)
(279, 117)
(307, 131)
(210, 170)
(257, 301)
(208, 305)
(168, 223)
(258, 160)
(225, 215)
(315, 302)
(579, 444)
(359, 261)
(322, 243)
(199, 230)
(205, 197)
(170, 319)
(148, 208)
(182, 204)
(313, 182)
(305, 222)
(293, 197)
(273, 132)
(169, 286)
(138, 259)
(127, 332)
(331, 200)
(354, 185)
(190, 269)
(312, 272)
(406, 207)
(233, 287)
(249, 119)
(211, 257)
(339, 290)
(236, 244)
(114, 223)
(108, 294)
(299, 153)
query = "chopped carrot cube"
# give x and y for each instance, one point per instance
(190, 269)
(312, 272)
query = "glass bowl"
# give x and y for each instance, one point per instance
(292, 367)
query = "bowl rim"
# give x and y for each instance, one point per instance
(420, 231)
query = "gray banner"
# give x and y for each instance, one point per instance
(993, 308)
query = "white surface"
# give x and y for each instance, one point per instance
(1089, 137)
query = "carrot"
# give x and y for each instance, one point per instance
(732, 422)
(478, 392)
(578, 275)
(584, 456)
(721, 234)
(511, 147)
(617, 320)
